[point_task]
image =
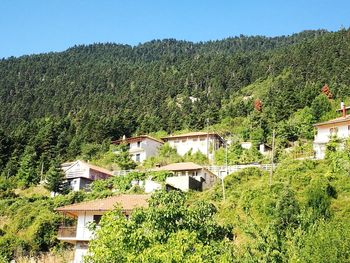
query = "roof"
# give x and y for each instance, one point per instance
(136, 139)
(127, 203)
(192, 134)
(179, 167)
(334, 121)
(92, 167)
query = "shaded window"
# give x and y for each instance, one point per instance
(139, 144)
(138, 157)
(97, 219)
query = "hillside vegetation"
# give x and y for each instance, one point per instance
(58, 107)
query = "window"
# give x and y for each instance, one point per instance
(333, 131)
(97, 219)
(138, 157)
(183, 140)
(138, 144)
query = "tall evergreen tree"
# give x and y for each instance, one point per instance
(55, 179)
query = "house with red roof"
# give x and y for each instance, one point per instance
(80, 174)
(338, 127)
(141, 147)
(188, 176)
(204, 142)
(85, 213)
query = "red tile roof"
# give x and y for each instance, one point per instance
(191, 134)
(337, 120)
(137, 139)
(127, 203)
(187, 166)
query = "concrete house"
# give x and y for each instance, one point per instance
(91, 211)
(188, 176)
(141, 147)
(80, 174)
(204, 142)
(339, 127)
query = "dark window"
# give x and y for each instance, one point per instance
(138, 144)
(97, 219)
(138, 157)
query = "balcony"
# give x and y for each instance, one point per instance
(67, 233)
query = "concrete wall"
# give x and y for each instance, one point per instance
(79, 169)
(81, 249)
(146, 148)
(79, 183)
(151, 186)
(200, 143)
(341, 130)
(184, 183)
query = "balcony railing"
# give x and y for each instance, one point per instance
(67, 232)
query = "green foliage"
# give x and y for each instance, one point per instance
(26, 173)
(123, 158)
(320, 106)
(166, 155)
(55, 179)
(324, 242)
(196, 157)
(167, 230)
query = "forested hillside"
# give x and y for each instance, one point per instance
(58, 107)
(52, 104)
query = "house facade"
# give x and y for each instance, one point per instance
(141, 147)
(89, 212)
(188, 176)
(339, 127)
(204, 142)
(80, 174)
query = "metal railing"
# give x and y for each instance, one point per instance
(223, 170)
(123, 172)
(67, 231)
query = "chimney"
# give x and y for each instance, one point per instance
(124, 137)
(343, 109)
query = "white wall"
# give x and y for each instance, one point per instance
(78, 169)
(151, 186)
(323, 133)
(323, 136)
(84, 219)
(180, 182)
(146, 149)
(75, 184)
(200, 143)
(81, 250)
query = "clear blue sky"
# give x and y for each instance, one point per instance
(36, 26)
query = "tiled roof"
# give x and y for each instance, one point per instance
(179, 167)
(99, 169)
(337, 120)
(127, 202)
(136, 139)
(91, 166)
(190, 134)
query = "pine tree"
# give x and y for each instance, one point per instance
(123, 158)
(26, 172)
(55, 179)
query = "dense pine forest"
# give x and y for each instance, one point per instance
(56, 107)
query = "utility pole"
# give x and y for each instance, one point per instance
(208, 138)
(272, 157)
(223, 177)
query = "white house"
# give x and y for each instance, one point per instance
(339, 127)
(141, 147)
(204, 142)
(91, 211)
(80, 174)
(188, 176)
